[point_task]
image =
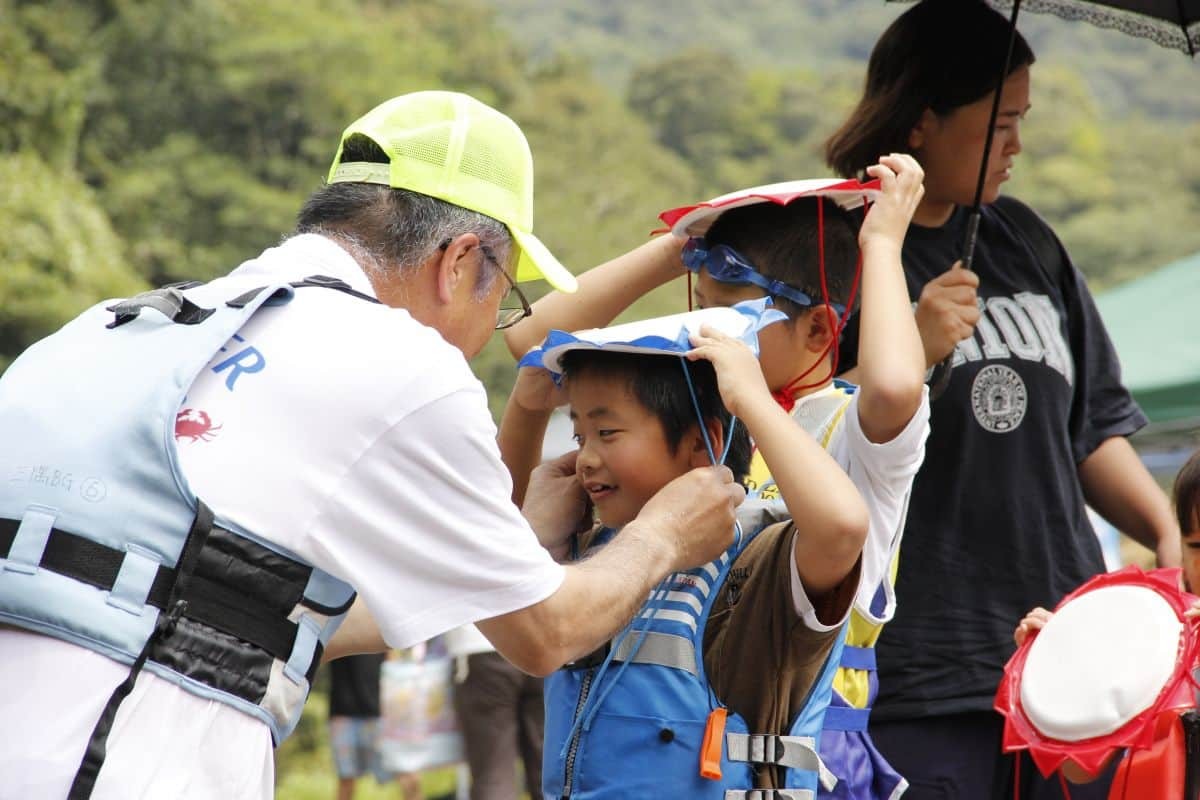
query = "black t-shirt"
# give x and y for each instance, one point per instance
(354, 685)
(997, 524)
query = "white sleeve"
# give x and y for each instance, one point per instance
(804, 607)
(423, 526)
(883, 474)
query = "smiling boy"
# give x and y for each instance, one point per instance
(669, 706)
(798, 244)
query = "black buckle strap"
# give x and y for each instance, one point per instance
(168, 300)
(318, 281)
(204, 600)
(97, 748)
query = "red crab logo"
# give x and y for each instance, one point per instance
(191, 423)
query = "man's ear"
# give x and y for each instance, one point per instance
(919, 132)
(698, 450)
(817, 329)
(453, 266)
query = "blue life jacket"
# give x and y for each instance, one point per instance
(102, 542)
(633, 726)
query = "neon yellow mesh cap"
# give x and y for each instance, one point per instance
(451, 146)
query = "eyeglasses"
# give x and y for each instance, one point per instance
(727, 265)
(508, 314)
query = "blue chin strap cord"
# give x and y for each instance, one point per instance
(588, 714)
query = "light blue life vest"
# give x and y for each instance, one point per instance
(95, 513)
(634, 728)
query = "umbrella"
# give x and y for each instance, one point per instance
(1170, 23)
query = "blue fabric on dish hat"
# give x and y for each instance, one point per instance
(660, 335)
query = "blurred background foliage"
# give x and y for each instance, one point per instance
(143, 142)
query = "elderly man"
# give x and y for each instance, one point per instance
(328, 438)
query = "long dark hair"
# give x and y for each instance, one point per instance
(938, 55)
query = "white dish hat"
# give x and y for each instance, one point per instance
(657, 336)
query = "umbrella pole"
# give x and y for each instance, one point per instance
(968, 251)
(940, 378)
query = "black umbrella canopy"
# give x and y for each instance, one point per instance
(1170, 23)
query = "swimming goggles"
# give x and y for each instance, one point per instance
(726, 265)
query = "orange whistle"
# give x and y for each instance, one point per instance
(714, 740)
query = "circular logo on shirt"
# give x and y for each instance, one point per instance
(999, 398)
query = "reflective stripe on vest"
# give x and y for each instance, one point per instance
(644, 737)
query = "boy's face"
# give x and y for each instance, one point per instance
(1191, 554)
(781, 353)
(624, 458)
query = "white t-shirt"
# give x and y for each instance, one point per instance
(345, 432)
(883, 474)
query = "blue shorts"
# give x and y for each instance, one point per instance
(355, 747)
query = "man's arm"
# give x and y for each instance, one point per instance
(604, 292)
(688, 523)
(1117, 485)
(357, 634)
(891, 358)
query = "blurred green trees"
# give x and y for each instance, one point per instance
(144, 142)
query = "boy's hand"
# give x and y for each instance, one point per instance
(1034, 621)
(947, 312)
(535, 390)
(887, 220)
(739, 375)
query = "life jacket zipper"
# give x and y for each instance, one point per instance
(584, 690)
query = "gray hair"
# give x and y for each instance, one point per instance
(391, 231)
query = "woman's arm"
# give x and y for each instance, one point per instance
(1117, 485)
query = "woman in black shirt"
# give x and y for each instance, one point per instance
(1031, 425)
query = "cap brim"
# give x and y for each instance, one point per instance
(537, 263)
(695, 220)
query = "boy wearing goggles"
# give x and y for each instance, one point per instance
(796, 243)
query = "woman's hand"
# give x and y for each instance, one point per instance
(947, 312)
(1033, 622)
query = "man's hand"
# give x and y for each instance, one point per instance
(692, 516)
(556, 505)
(739, 375)
(947, 312)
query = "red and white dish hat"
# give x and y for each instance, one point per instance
(1117, 653)
(695, 220)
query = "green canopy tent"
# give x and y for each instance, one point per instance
(1154, 322)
